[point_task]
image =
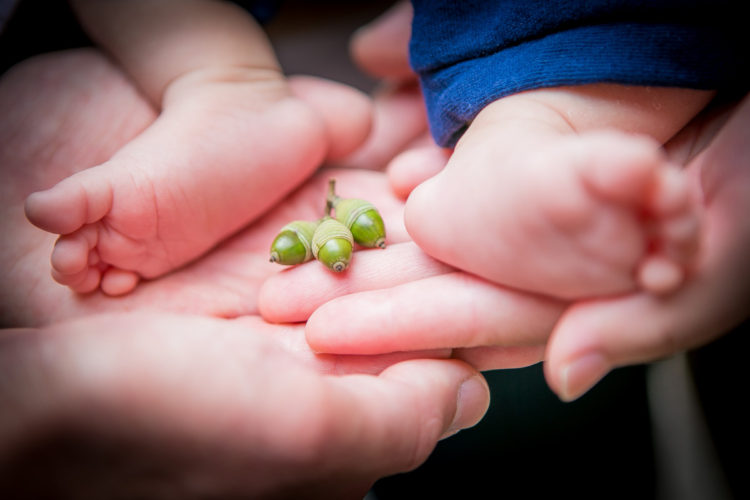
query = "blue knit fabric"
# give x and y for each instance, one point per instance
(470, 53)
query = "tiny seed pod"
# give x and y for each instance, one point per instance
(362, 219)
(332, 244)
(293, 244)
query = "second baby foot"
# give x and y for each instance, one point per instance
(571, 216)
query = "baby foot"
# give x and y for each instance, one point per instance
(571, 216)
(207, 166)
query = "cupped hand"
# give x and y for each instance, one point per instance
(143, 404)
(399, 141)
(210, 406)
(401, 299)
(65, 112)
(594, 337)
(601, 334)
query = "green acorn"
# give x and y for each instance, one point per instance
(293, 244)
(332, 244)
(360, 216)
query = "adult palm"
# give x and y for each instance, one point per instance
(178, 387)
(66, 112)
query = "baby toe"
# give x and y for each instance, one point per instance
(671, 193)
(70, 255)
(85, 281)
(617, 167)
(116, 281)
(660, 275)
(680, 236)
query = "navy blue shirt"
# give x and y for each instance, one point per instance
(470, 53)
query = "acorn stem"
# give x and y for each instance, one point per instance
(331, 198)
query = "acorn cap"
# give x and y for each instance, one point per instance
(363, 220)
(293, 243)
(332, 244)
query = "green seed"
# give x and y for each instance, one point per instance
(362, 219)
(293, 244)
(332, 244)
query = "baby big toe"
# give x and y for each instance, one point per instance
(83, 198)
(60, 209)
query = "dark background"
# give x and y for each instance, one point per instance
(529, 445)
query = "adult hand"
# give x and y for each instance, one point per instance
(143, 405)
(406, 312)
(424, 304)
(399, 141)
(411, 299)
(400, 299)
(68, 111)
(210, 406)
(594, 337)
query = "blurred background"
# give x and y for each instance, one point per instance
(672, 430)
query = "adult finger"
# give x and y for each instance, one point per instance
(403, 412)
(399, 118)
(346, 112)
(414, 166)
(443, 311)
(400, 299)
(592, 338)
(207, 395)
(500, 357)
(293, 295)
(381, 48)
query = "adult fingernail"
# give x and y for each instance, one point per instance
(581, 374)
(471, 404)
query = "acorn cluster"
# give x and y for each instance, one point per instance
(330, 239)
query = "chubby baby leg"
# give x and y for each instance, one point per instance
(525, 204)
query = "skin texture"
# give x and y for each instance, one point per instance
(593, 209)
(563, 219)
(217, 157)
(179, 388)
(89, 109)
(434, 305)
(109, 390)
(633, 328)
(594, 337)
(398, 122)
(380, 48)
(157, 404)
